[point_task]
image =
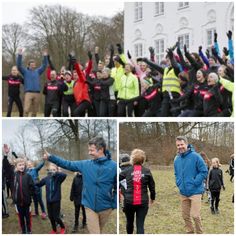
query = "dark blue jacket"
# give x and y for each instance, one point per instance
(190, 172)
(99, 180)
(34, 172)
(31, 77)
(53, 186)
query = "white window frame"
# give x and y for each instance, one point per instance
(183, 5)
(138, 11)
(210, 41)
(159, 8)
(159, 49)
(185, 40)
(138, 50)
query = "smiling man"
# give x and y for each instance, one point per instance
(99, 182)
(190, 172)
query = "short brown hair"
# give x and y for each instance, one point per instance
(180, 138)
(138, 157)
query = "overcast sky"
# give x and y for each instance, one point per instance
(9, 128)
(13, 11)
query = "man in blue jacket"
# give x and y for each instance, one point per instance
(190, 172)
(31, 82)
(99, 194)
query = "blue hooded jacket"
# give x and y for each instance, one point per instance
(53, 186)
(34, 172)
(31, 77)
(99, 180)
(190, 172)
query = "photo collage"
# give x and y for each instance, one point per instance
(117, 117)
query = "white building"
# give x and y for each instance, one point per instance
(161, 24)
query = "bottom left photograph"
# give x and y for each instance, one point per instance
(59, 176)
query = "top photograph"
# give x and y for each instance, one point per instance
(118, 59)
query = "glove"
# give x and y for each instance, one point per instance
(225, 51)
(112, 49)
(73, 60)
(223, 188)
(151, 50)
(90, 55)
(170, 52)
(199, 48)
(128, 54)
(50, 63)
(119, 48)
(229, 35)
(208, 53)
(214, 52)
(185, 48)
(215, 37)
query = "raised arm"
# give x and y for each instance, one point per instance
(43, 67)
(19, 64)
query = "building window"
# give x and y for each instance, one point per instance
(210, 37)
(183, 5)
(138, 11)
(159, 8)
(138, 50)
(160, 50)
(183, 39)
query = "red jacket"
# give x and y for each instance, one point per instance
(80, 88)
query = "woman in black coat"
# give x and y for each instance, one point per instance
(136, 200)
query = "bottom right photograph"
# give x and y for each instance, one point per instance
(176, 177)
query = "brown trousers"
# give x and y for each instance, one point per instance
(191, 207)
(96, 221)
(31, 100)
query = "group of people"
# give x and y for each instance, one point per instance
(193, 176)
(93, 188)
(184, 84)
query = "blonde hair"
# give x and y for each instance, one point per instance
(138, 157)
(216, 160)
(19, 160)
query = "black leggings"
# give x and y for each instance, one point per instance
(24, 217)
(82, 108)
(215, 199)
(54, 209)
(77, 211)
(141, 212)
(121, 112)
(18, 102)
(51, 108)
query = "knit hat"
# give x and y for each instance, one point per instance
(68, 73)
(125, 157)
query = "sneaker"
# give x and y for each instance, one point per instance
(84, 225)
(53, 232)
(5, 215)
(217, 211)
(62, 231)
(212, 210)
(34, 214)
(75, 229)
(43, 215)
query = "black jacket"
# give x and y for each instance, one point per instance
(215, 179)
(146, 181)
(14, 83)
(213, 102)
(23, 189)
(52, 92)
(76, 189)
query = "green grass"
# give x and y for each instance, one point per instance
(164, 216)
(10, 225)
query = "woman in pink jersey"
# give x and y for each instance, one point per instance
(136, 200)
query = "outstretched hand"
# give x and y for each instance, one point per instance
(45, 155)
(45, 52)
(20, 51)
(169, 52)
(185, 48)
(90, 55)
(129, 55)
(6, 149)
(229, 34)
(199, 48)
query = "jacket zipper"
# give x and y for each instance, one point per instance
(21, 192)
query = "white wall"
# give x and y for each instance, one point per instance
(195, 20)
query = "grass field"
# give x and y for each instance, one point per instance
(164, 216)
(39, 226)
